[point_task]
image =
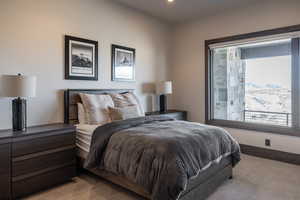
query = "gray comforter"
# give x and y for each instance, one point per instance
(158, 153)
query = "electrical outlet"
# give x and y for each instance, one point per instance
(268, 142)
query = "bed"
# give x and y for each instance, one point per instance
(197, 188)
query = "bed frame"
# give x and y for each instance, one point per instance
(198, 188)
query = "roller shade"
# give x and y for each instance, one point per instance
(270, 50)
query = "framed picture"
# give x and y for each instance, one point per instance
(123, 63)
(81, 59)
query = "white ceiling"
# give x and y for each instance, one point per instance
(184, 10)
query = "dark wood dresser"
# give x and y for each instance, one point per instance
(177, 114)
(5, 166)
(41, 157)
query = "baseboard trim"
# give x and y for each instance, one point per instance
(291, 158)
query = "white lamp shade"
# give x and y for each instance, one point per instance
(164, 87)
(18, 86)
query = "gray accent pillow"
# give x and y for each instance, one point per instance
(122, 113)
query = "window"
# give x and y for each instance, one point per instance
(253, 83)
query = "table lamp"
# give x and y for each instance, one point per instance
(18, 87)
(162, 89)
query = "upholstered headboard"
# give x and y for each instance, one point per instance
(72, 98)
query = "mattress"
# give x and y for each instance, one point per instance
(84, 135)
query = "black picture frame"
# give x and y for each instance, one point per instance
(114, 63)
(87, 65)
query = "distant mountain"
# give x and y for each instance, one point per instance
(252, 85)
(273, 86)
(270, 98)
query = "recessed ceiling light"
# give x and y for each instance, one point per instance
(170, 1)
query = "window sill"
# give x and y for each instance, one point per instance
(288, 131)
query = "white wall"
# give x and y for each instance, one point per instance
(188, 59)
(32, 42)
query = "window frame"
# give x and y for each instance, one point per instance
(291, 131)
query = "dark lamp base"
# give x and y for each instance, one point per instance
(162, 103)
(19, 114)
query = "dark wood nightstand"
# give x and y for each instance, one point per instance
(177, 114)
(40, 157)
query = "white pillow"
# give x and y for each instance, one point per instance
(96, 107)
(82, 116)
(127, 99)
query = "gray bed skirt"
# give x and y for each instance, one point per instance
(198, 188)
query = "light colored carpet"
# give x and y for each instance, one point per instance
(254, 179)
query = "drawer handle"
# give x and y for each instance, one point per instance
(22, 177)
(33, 155)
